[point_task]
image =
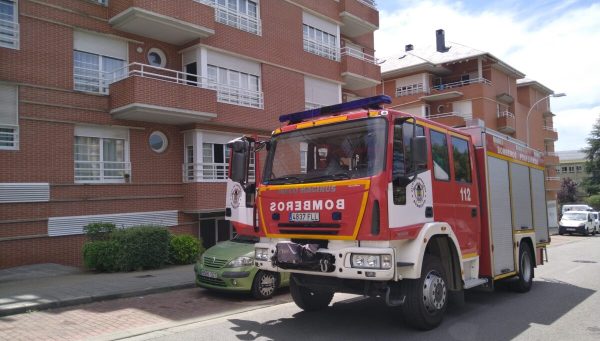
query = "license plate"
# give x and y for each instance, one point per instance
(208, 274)
(305, 217)
(570, 229)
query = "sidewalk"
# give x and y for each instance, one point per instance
(44, 286)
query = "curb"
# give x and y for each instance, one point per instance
(90, 299)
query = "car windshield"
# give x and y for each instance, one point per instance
(245, 239)
(574, 216)
(334, 152)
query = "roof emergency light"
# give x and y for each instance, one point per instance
(367, 103)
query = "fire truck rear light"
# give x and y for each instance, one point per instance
(336, 216)
(275, 216)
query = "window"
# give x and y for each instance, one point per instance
(320, 42)
(402, 160)
(101, 155)
(571, 169)
(579, 168)
(410, 89)
(156, 57)
(235, 87)
(9, 118)
(215, 161)
(158, 141)
(439, 154)
(319, 93)
(9, 26)
(462, 161)
(564, 169)
(241, 14)
(94, 73)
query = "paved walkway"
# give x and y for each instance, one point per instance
(44, 286)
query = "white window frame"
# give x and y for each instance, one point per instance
(103, 78)
(321, 43)
(235, 87)
(10, 28)
(229, 12)
(102, 134)
(10, 132)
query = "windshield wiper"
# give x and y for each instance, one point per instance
(284, 179)
(335, 176)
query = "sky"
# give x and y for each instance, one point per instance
(556, 43)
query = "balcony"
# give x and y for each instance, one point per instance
(179, 24)
(201, 172)
(235, 18)
(439, 92)
(552, 183)
(151, 94)
(359, 70)
(359, 17)
(102, 171)
(550, 133)
(551, 159)
(506, 122)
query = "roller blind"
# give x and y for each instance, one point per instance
(100, 45)
(8, 105)
(321, 92)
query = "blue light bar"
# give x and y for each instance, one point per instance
(367, 103)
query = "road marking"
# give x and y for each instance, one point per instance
(575, 269)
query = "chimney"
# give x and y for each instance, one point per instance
(440, 41)
(408, 47)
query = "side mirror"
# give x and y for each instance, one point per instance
(419, 150)
(240, 159)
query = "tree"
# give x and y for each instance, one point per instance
(568, 191)
(592, 165)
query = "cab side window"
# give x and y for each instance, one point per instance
(439, 155)
(462, 161)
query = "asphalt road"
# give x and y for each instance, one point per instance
(563, 305)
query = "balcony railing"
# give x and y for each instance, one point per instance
(358, 54)
(229, 17)
(465, 116)
(370, 3)
(506, 114)
(102, 2)
(548, 128)
(552, 178)
(412, 89)
(9, 137)
(102, 171)
(551, 154)
(462, 83)
(210, 172)
(225, 93)
(9, 32)
(320, 49)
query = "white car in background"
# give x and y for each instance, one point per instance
(577, 222)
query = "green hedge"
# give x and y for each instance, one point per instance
(101, 255)
(184, 249)
(142, 247)
(99, 231)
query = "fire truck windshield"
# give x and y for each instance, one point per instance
(346, 150)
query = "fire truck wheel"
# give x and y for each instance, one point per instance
(264, 284)
(524, 281)
(308, 299)
(426, 297)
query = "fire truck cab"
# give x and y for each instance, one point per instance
(360, 199)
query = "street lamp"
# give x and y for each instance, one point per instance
(560, 94)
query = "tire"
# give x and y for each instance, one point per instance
(309, 299)
(426, 297)
(524, 281)
(264, 284)
(586, 232)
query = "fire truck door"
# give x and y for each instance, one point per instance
(500, 215)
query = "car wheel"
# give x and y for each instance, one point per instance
(264, 284)
(426, 297)
(524, 282)
(309, 299)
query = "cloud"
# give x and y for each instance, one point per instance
(555, 43)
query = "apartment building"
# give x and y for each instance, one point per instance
(120, 110)
(459, 85)
(572, 166)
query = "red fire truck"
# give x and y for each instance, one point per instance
(360, 199)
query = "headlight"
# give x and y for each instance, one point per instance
(261, 254)
(239, 262)
(371, 261)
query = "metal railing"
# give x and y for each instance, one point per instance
(358, 54)
(506, 114)
(369, 3)
(102, 171)
(229, 17)
(102, 2)
(552, 178)
(320, 49)
(462, 83)
(9, 137)
(548, 128)
(225, 93)
(550, 154)
(198, 172)
(9, 33)
(412, 89)
(451, 114)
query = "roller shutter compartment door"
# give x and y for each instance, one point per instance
(500, 216)
(540, 216)
(521, 196)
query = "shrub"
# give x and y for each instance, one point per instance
(184, 249)
(101, 255)
(142, 247)
(99, 231)
(594, 201)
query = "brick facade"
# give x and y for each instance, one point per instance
(50, 110)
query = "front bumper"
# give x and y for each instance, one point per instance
(342, 266)
(571, 229)
(226, 279)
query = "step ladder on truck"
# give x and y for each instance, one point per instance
(360, 199)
